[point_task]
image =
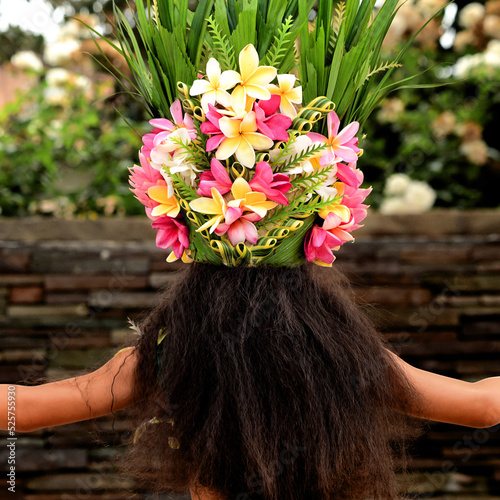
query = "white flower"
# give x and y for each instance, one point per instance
(178, 164)
(27, 60)
(419, 196)
(397, 184)
(493, 47)
(61, 52)
(57, 77)
(466, 63)
(55, 96)
(82, 82)
(300, 144)
(471, 14)
(395, 205)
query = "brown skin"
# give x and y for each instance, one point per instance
(66, 401)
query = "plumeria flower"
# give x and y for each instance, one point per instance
(216, 206)
(241, 139)
(349, 174)
(274, 186)
(270, 123)
(142, 178)
(215, 89)
(247, 199)
(353, 199)
(239, 228)
(171, 233)
(253, 79)
(164, 125)
(166, 205)
(300, 144)
(217, 177)
(342, 146)
(211, 127)
(289, 95)
(339, 209)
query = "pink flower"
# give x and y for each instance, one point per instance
(239, 227)
(142, 178)
(211, 127)
(164, 125)
(353, 199)
(274, 186)
(273, 125)
(217, 177)
(342, 146)
(349, 174)
(320, 241)
(171, 233)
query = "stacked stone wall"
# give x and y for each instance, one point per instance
(431, 283)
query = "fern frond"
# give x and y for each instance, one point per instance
(383, 67)
(297, 159)
(182, 189)
(284, 151)
(195, 153)
(222, 48)
(338, 19)
(280, 46)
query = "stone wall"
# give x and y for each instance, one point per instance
(67, 288)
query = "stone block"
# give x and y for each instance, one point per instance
(45, 460)
(21, 355)
(57, 298)
(162, 279)
(25, 294)
(473, 328)
(79, 358)
(481, 283)
(46, 311)
(104, 299)
(436, 254)
(486, 252)
(94, 282)
(21, 279)
(79, 482)
(14, 261)
(393, 295)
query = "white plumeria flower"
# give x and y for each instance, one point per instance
(326, 190)
(288, 94)
(178, 164)
(301, 143)
(215, 89)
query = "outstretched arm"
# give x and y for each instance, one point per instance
(72, 400)
(453, 401)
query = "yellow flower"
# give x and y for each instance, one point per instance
(167, 205)
(241, 139)
(247, 199)
(253, 79)
(213, 206)
(288, 94)
(215, 89)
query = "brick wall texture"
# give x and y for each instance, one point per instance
(432, 283)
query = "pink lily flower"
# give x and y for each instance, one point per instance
(211, 127)
(142, 178)
(273, 125)
(353, 199)
(217, 178)
(349, 174)
(171, 233)
(274, 186)
(342, 146)
(163, 125)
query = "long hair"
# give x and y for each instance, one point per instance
(270, 383)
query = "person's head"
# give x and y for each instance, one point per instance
(269, 384)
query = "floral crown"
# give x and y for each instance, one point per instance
(235, 170)
(239, 178)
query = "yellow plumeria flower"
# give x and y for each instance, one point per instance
(247, 199)
(253, 79)
(339, 210)
(215, 89)
(212, 206)
(288, 94)
(241, 139)
(167, 205)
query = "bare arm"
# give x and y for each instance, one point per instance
(72, 400)
(449, 400)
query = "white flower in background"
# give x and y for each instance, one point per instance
(396, 184)
(27, 60)
(406, 196)
(75, 29)
(493, 47)
(465, 64)
(419, 196)
(492, 54)
(471, 14)
(55, 96)
(57, 77)
(82, 82)
(475, 151)
(61, 52)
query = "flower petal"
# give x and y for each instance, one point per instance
(236, 233)
(240, 188)
(205, 206)
(333, 124)
(213, 72)
(230, 127)
(259, 141)
(257, 92)
(263, 75)
(200, 87)
(249, 61)
(287, 108)
(286, 83)
(245, 153)
(229, 79)
(228, 147)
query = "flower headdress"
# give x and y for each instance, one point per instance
(236, 169)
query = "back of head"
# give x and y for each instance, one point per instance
(269, 384)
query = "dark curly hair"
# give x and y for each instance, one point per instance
(269, 384)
